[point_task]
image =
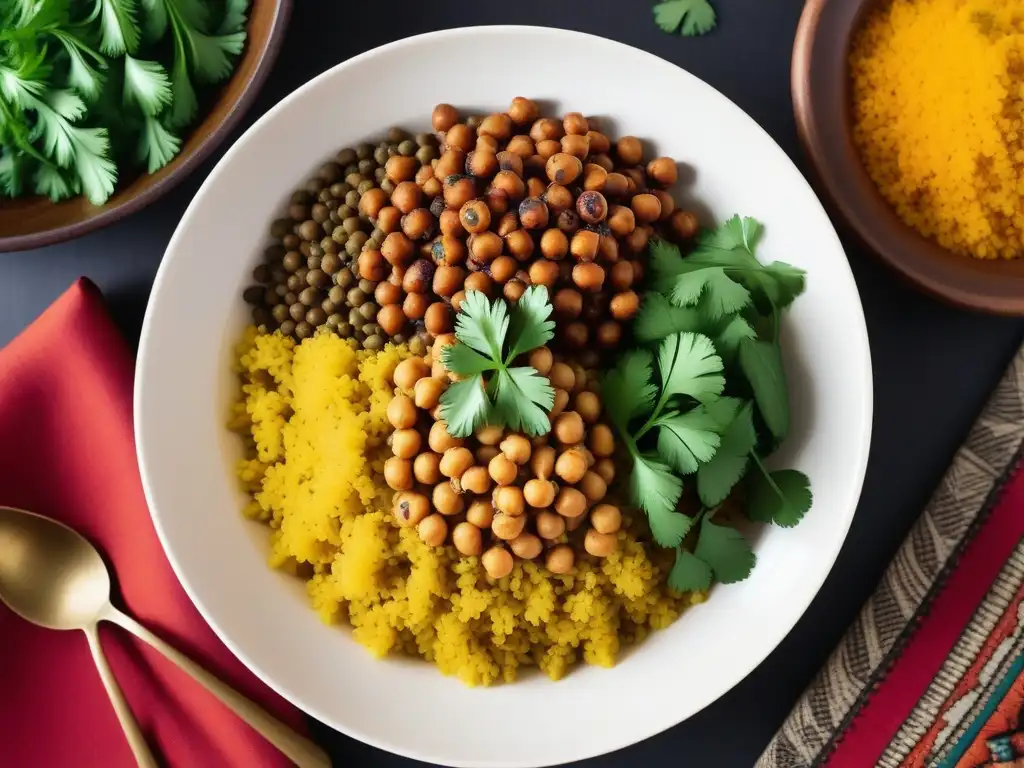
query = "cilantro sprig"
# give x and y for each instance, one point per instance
(489, 337)
(689, 17)
(706, 396)
(89, 88)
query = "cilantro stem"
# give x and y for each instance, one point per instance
(767, 475)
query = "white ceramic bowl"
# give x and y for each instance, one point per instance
(184, 386)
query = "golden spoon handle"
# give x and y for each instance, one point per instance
(300, 750)
(131, 728)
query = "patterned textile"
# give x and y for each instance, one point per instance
(932, 672)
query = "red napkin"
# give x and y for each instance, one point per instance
(67, 451)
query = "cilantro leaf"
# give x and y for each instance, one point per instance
(689, 439)
(464, 406)
(211, 54)
(735, 233)
(659, 318)
(522, 400)
(691, 17)
(723, 411)
(761, 363)
(689, 573)
(465, 361)
(656, 490)
(529, 326)
(157, 145)
(665, 260)
(82, 76)
(482, 325)
(56, 183)
(146, 84)
(781, 497)
(689, 366)
(13, 170)
(184, 103)
(782, 283)
(154, 19)
(730, 335)
(716, 479)
(628, 390)
(726, 551)
(722, 295)
(119, 31)
(235, 12)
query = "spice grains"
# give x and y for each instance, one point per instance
(938, 105)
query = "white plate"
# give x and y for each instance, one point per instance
(183, 389)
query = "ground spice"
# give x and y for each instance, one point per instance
(938, 101)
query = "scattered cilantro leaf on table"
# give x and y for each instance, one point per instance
(689, 17)
(514, 397)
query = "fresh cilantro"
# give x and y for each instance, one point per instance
(761, 363)
(736, 233)
(489, 337)
(689, 573)
(725, 550)
(717, 477)
(690, 17)
(781, 497)
(689, 366)
(687, 440)
(629, 389)
(656, 490)
(78, 77)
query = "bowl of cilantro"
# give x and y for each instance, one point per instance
(105, 106)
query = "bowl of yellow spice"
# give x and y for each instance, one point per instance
(912, 112)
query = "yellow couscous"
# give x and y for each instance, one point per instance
(313, 415)
(938, 98)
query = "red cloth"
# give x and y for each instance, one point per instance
(67, 451)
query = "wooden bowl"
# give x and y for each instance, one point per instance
(33, 222)
(821, 98)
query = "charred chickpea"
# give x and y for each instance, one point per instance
(563, 168)
(397, 248)
(541, 360)
(526, 546)
(448, 280)
(545, 128)
(646, 208)
(444, 117)
(408, 372)
(433, 530)
(410, 508)
(588, 406)
(478, 281)
(418, 277)
(570, 503)
(438, 318)
(663, 171)
(509, 183)
(516, 449)
(461, 137)
(592, 207)
(533, 213)
(406, 443)
(621, 220)
(426, 468)
(448, 249)
(539, 494)
(575, 124)
(577, 146)
(415, 305)
(571, 466)
(458, 190)
(475, 216)
(522, 110)
(417, 224)
(497, 562)
(385, 293)
(406, 196)
(560, 560)
(601, 441)
(482, 163)
(439, 440)
(568, 302)
(485, 247)
(455, 461)
(561, 400)
(480, 514)
(503, 269)
(509, 500)
(568, 428)
(507, 527)
(594, 177)
(609, 333)
(373, 201)
(400, 168)
(514, 290)
(593, 486)
(542, 462)
(509, 161)
(584, 244)
(398, 473)
(576, 334)
(629, 150)
(684, 225)
(543, 272)
(476, 480)
(502, 470)
(401, 412)
(616, 185)
(545, 151)
(621, 275)
(588, 277)
(568, 222)
(668, 204)
(523, 147)
(446, 500)
(624, 305)
(467, 539)
(450, 224)
(562, 376)
(498, 125)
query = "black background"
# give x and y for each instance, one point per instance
(933, 366)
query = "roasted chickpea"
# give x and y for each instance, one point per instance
(405, 443)
(527, 546)
(577, 146)
(389, 219)
(522, 146)
(570, 503)
(593, 486)
(497, 562)
(668, 204)
(563, 168)
(459, 190)
(609, 333)
(432, 188)
(482, 163)
(588, 406)
(568, 428)
(541, 360)
(503, 269)
(584, 245)
(522, 110)
(663, 171)
(684, 225)
(543, 272)
(594, 177)
(616, 185)
(513, 290)
(601, 441)
(539, 493)
(480, 513)
(448, 280)
(397, 248)
(450, 224)
(476, 480)
(509, 499)
(475, 216)
(487, 143)
(401, 412)
(621, 275)
(490, 435)
(509, 161)
(519, 244)
(535, 187)
(406, 197)
(444, 117)
(415, 305)
(446, 500)
(408, 372)
(440, 342)
(438, 318)
(418, 224)
(646, 208)
(575, 334)
(455, 462)
(533, 213)
(485, 247)
(452, 162)
(592, 207)
(410, 508)
(398, 473)
(498, 125)
(426, 468)
(546, 129)
(467, 539)
(561, 400)
(637, 240)
(621, 220)
(512, 185)
(568, 303)
(600, 544)
(372, 266)
(516, 449)
(562, 376)
(419, 276)
(461, 137)
(624, 305)
(502, 470)
(372, 202)
(629, 150)
(558, 198)
(439, 440)
(588, 276)
(485, 453)
(560, 560)
(599, 143)
(385, 293)
(507, 527)
(549, 525)
(575, 124)
(427, 392)
(399, 168)
(606, 518)
(479, 281)
(571, 466)
(433, 530)
(509, 222)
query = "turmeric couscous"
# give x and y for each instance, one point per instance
(314, 418)
(938, 110)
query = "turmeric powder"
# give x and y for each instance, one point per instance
(938, 118)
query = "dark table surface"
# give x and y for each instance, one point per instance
(934, 366)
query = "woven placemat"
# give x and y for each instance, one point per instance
(930, 674)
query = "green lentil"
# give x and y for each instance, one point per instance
(365, 186)
(346, 156)
(373, 342)
(407, 148)
(364, 151)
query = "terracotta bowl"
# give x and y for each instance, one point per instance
(821, 97)
(33, 222)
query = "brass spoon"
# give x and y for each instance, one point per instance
(52, 576)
